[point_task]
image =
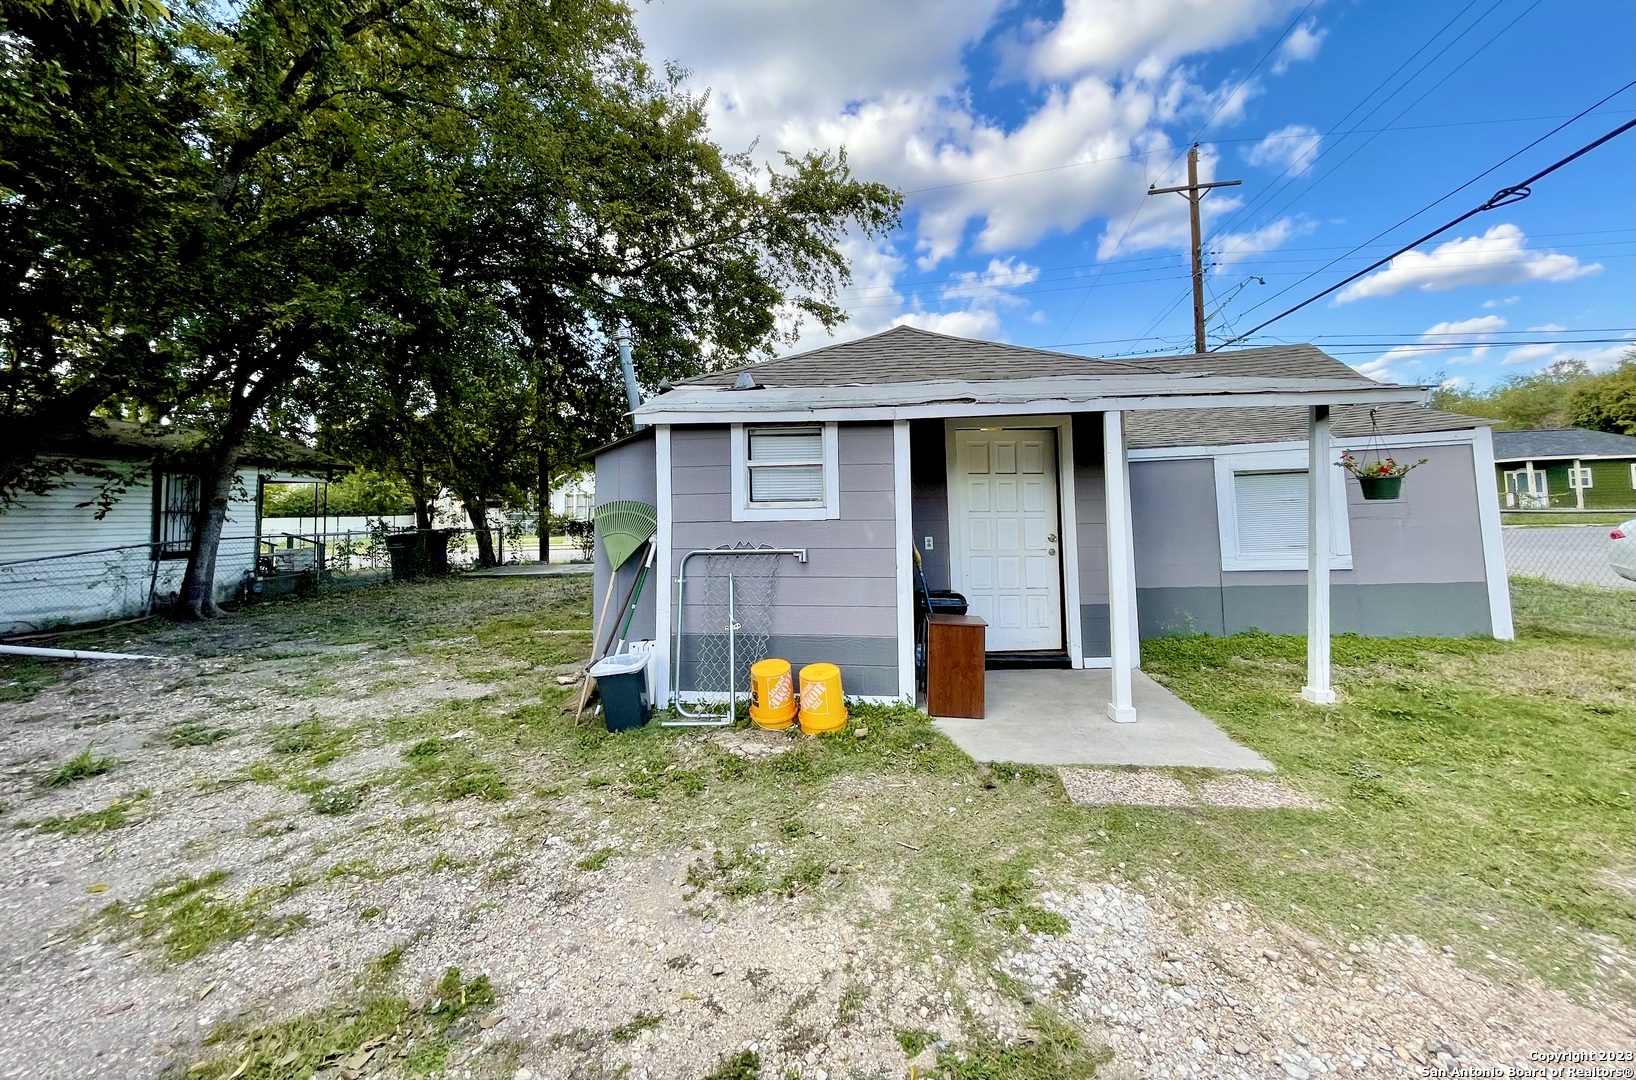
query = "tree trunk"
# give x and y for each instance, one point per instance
(423, 509)
(478, 511)
(544, 525)
(197, 598)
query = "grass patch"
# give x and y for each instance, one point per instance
(82, 766)
(450, 769)
(1540, 517)
(628, 1032)
(196, 734)
(185, 917)
(745, 1065)
(1002, 893)
(597, 859)
(850, 1007)
(1548, 607)
(1055, 1051)
(736, 874)
(314, 739)
(115, 815)
(336, 800)
(353, 1037)
(23, 678)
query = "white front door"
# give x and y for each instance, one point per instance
(1004, 508)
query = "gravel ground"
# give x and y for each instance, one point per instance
(1181, 990)
(1148, 787)
(603, 956)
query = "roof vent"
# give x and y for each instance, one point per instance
(746, 381)
(666, 386)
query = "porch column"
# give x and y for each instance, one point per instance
(1319, 529)
(1121, 566)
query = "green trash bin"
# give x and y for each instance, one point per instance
(622, 680)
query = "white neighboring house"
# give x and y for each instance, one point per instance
(575, 496)
(62, 563)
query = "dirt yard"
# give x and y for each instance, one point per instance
(360, 836)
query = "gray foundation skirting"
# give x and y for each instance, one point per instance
(869, 665)
(1446, 609)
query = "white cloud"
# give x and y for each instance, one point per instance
(1491, 304)
(973, 323)
(1301, 44)
(1548, 328)
(1500, 256)
(889, 83)
(1446, 338)
(1290, 149)
(1541, 355)
(1111, 37)
(993, 284)
(1233, 247)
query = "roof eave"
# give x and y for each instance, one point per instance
(739, 410)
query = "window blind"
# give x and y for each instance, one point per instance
(786, 464)
(1272, 512)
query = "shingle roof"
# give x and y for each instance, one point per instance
(1548, 443)
(1225, 427)
(906, 354)
(123, 440)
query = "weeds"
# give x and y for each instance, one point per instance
(597, 859)
(745, 1065)
(312, 738)
(353, 1037)
(115, 815)
(196, 734)
(187, 916)
(81, 766)
(1054, 1051)
(627, 1032)
(733, 875)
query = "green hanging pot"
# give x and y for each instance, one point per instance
(1380, 488)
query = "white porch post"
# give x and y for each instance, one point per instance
(1319, 531)
(1121, 566)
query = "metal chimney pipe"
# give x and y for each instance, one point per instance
(632, 395)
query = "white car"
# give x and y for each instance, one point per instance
(1622, 550)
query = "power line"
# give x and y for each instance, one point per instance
(1503, 197)
(1190, 142)
(1276, 188)
(1332, 170)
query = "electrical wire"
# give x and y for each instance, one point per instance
(1503, 197)
(1137, 210)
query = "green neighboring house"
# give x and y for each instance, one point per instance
(1565, 469)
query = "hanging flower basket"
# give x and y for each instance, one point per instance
(1380, 487)
(1380, 479)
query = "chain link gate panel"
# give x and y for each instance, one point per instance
(725, 600)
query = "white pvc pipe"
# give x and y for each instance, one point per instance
(72, 654)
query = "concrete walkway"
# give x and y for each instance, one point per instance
(1060, 718)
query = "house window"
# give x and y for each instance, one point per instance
(1261, 503)
(1633, 474)
(785, 472)
(175, 504)
(1579, 478)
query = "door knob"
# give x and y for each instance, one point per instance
(1051, 551)
(1052, 538)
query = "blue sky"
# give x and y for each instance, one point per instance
(1024, 135)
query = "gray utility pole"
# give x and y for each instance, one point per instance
(1194, 191)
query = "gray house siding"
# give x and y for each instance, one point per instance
(841, 605)
(1417, 562)
(626, 473)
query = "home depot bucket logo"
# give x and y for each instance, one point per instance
(813, 696)
(779, 692)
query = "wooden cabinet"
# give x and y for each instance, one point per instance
(954, 665)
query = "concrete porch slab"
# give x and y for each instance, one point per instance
(1060, 718)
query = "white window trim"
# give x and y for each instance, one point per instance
(1633, 474)
(744, 510)
(1227, 465)
(1580, 477)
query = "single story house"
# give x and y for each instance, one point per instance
(91, 549)
(1079, 504)
(1572, 468)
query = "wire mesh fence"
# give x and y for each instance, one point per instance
(1570, 575)
(726, 620)
(133, 580)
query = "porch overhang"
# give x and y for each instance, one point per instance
(934, 399)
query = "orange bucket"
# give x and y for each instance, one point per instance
(772, 694)
(822, 706)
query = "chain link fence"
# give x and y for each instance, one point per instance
(129, 581)
(1567, 574)
(726, 620)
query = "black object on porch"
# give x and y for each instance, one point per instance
(1028, 661)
